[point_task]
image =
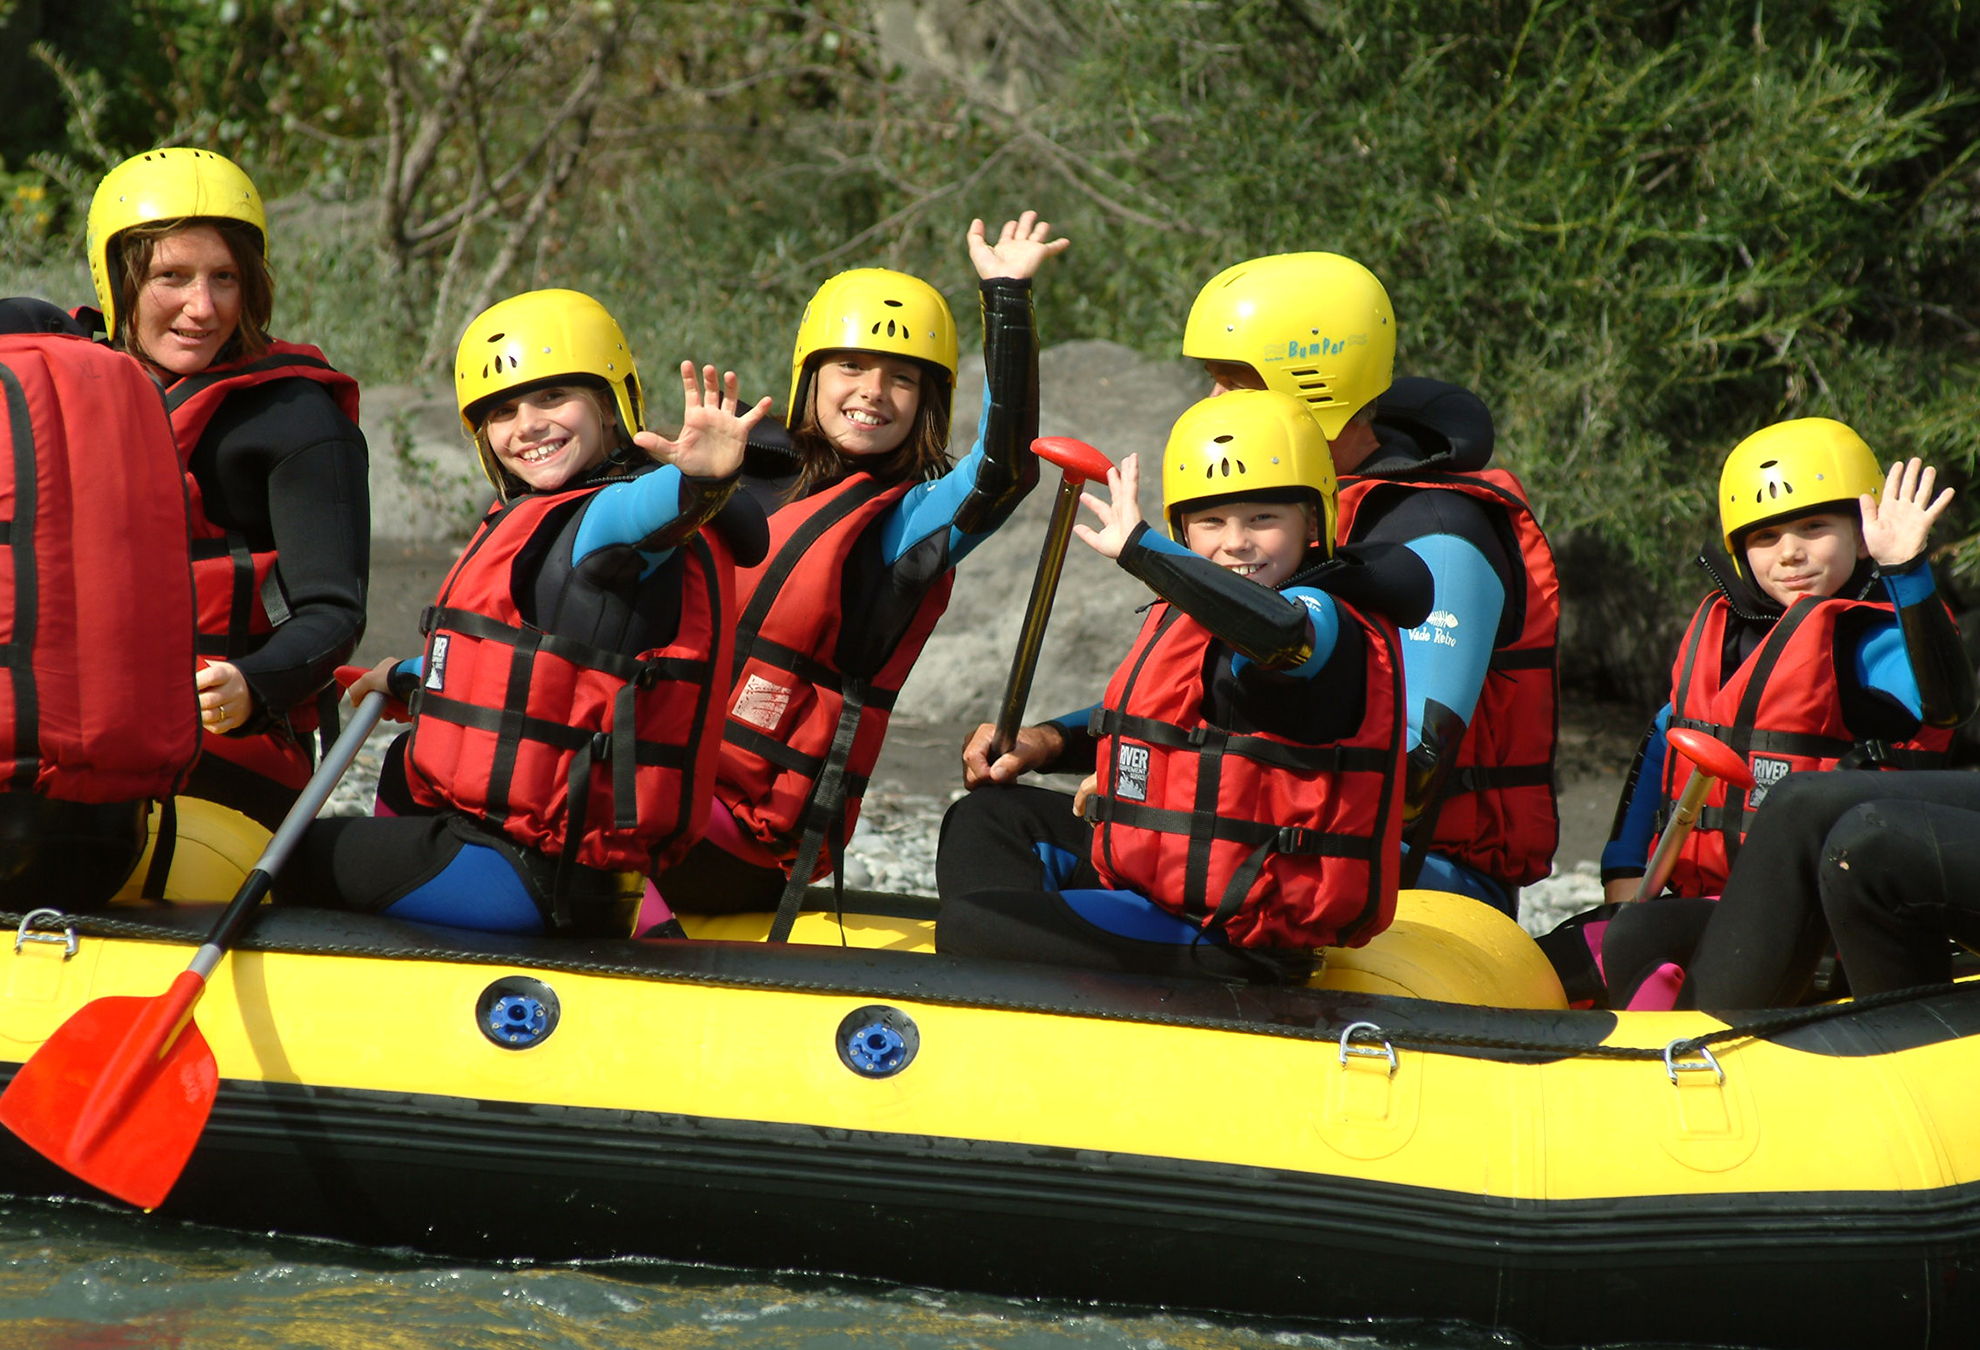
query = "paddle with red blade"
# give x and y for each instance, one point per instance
(1081, 464)
(1713, 760)
(119, 1094)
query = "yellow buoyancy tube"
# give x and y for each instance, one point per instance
(1448, 948)
(214, 850)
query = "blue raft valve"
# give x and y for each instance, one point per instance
(877, 1041)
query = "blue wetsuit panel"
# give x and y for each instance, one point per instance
(929, 507)
(1447, 655)
(625, 513)
(1631, 846)
(478, 889)
(1126, 914)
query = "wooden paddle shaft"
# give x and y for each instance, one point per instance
(1682, 819)
(1031, 638)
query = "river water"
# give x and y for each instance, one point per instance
(82, 1277)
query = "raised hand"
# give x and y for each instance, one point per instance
(1019, 251)
(1895, 529)
(714, 426)
(1117, 517)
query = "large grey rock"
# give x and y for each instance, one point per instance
(425, 482)
(1122, 403)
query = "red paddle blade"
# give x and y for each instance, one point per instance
(1081, 461)
(119, 1094)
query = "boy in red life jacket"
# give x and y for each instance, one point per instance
(1247, 803)
(567, 709)
(1790, 662)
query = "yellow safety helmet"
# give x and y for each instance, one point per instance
(177, 183)
(1793, 469)
(1316, 326)
(872, 309)
(532, 339)
(1246, 444)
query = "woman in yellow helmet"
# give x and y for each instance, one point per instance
(868, 522)
(1247, 806)
(275, 464)
(567, 709)
(1823, 644)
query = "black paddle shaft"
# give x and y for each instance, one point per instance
(234, 919)
(1038, 610)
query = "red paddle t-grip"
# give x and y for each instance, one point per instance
(1712, 756)
(1080, 460)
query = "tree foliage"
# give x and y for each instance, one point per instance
(1642, 228)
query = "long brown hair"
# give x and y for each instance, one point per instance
(132, 250)
(923, 455)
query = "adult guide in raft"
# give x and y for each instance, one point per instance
(566, 709)
(275, 467)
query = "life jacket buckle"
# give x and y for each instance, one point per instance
(426, 618)
(1198, 735)
(1296, 839)
(601, 746)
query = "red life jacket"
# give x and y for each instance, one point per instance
(1499, 815)
(1781, 710)
(98, 703)
(240, 592)
(1276, 842)
(550, 739)
(803, 734)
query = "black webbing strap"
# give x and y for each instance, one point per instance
(1479, 778)
(232, 644)
(1761, 741)
(1524, 658)
(771, 584)
(558, 735)
(577, 811)
(824, 811)
(618, 665)
(165, 845)
(1743, 730)
(1297, 839)
(1104, 721)
(20, 652)
(1290, 839)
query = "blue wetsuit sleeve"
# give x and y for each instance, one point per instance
(1628, 851)
(929, 507)
(625, 513)
(1446, 656)
(1074, 723)
(1882, 660)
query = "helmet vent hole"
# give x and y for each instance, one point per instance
(1223, 440)
(894, 303)
(496, 337)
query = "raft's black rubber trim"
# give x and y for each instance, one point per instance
(1905, 1020)
(537, 1182)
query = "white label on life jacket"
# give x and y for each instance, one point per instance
(1131, 782)
(761, 703)
(1766, 773)
(436, 664)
